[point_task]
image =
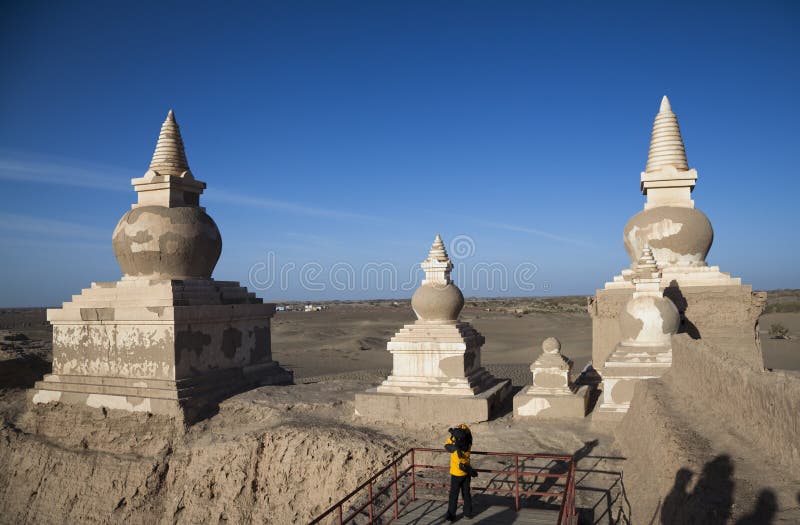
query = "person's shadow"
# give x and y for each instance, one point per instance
(675, 501)
(709, 503)
(764, 511)
(711, 500)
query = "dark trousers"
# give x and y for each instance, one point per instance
(459, 483)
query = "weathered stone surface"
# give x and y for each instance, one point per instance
(725, 317)
(550, 406)
(551, 394)
(153, 359)
(678, 236)
(432, 408)
(176, 243)
(437, 303)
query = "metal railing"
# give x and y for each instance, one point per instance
(403, 480)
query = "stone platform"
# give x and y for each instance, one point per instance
(163, 346)
(433, 408)
(184, 398)
(553, 406)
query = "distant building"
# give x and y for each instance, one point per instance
(314, 308)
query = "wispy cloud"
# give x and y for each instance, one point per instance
(70, 172)
(64, 172)
(538, 233)
(289, 207)
(51, 228)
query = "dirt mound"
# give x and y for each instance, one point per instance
(722, 440)
(253, 464)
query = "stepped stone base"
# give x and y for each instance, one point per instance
(625, 367)
(186, 398)
(530, 403)
(442, 409)
(162, 346)
(441, 357)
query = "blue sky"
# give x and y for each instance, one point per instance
(349, 133)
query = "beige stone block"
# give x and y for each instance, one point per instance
(432, 408)
(529, 403)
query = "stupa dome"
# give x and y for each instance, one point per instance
(678, 236)
(438, 299)
(167, 235)
(551, 345)
(175, 243)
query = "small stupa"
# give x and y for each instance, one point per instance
(166, 338)
(551, 394)
(713, 305)
(647, 323)
(436, 361)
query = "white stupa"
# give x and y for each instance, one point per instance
(712, 304)
(436, 372)
(166, 338)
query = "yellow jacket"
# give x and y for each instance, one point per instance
(457, 458)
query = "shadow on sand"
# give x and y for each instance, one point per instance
(23, 372)
(711, 500)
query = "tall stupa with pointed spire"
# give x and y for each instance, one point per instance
(712, 304)
(436, 361)
(166, 338)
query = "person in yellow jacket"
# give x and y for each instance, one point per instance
(459, 445)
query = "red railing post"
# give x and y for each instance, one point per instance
(572, 487)
(413, 476)
(340, 515)
(516, 481)
(396, 504)
(370, 502)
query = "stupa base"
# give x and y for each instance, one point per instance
(186, 399)
(164, 346)
(442, 409)
(619, 383)
(529, 403)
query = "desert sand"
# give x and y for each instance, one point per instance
(283, 454)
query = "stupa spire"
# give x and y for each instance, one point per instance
(437, 265)
(666, 143)
(169, 158)
(438, 251)
(646, 276)
(168, 182)
(647, 262)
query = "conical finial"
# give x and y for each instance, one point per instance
(666, 143)
(646, 259)
(169, 157)
(646, 266)
(438, 251)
